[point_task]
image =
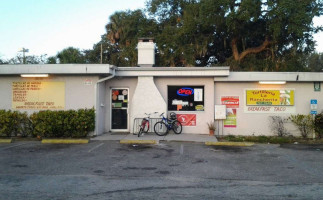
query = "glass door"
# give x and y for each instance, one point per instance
(119, 109)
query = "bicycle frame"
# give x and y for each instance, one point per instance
(168, 122)
(144, 123)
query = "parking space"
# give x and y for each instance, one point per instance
(181, 170)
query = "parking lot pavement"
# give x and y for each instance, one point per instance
(168, 170)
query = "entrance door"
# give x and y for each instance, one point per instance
(119, 109)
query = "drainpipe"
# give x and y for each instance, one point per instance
(97, 103)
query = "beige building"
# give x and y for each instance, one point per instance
(240, 102)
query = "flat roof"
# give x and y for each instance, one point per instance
(173, 71)
(272, 76)
(68, 69)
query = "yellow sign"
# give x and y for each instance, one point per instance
(270, 97)
(38, 95)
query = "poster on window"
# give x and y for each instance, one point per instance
(231, 120)
(187, 119)
(185, 98)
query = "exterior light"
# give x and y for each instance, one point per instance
(33, 75)
(272, 82)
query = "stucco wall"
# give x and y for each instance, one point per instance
(202, 117)
(77, 94)
(258, 123)
(118, 82)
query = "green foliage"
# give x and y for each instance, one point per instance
(211, 125)
(277, 125)
(315, 62)
(14, 123)
(304, 123)
(260, 139)
(318, 124)
(249, 35)
(69, 123)
(70, 55)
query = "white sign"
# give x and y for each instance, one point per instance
(87, 82)
(220, 112)
(269, 109)
(198, 94)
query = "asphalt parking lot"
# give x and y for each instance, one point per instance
(171, 170)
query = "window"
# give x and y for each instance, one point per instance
(186, 98)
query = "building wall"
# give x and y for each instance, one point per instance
(259, 123)
(202, 117)
(77, 93)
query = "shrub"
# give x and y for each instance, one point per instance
(277, 125)
(70, 123)
(13, 123)
(304, 123)
(234, 138)
(318, 124)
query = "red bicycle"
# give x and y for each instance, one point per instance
(144, 127)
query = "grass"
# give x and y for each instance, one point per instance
(270, 139)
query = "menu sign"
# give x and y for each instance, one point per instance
(38, 95)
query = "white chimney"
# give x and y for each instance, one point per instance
(146, 52)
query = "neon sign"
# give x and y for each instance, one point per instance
(185, 92)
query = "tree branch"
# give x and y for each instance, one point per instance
(239, 56)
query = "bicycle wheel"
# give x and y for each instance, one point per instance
(140, 131)
(160, 128)
(177, 127)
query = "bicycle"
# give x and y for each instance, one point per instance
(144, 127)
(162, 127)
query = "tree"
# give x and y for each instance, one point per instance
(3, 62)
(235, 31)
(315, 62)
(123, 32)
(70, 55)
(51, 60)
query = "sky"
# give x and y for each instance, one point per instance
(47, 26)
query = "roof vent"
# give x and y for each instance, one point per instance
(146, 52)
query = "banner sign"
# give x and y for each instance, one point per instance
(270, 97)
(187, 119)
(230, 101)
(231, 121)
(38, 95)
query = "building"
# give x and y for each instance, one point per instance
(241, 102)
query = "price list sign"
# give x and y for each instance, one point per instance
(38, 95)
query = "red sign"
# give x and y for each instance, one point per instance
(185, 91)
(187, 119)
(230, 101)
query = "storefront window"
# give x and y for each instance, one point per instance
(186, 98)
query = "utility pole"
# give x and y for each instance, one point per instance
(101, 52)
(23, 50)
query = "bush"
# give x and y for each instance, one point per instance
(304, 123)
(260, 139)
(318, 124)
(14, 123)
(69, 123)
(277, 125)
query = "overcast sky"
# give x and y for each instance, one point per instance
(47, 26)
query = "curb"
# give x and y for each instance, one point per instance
(65, 141)
(238, 144)
(5, 140)
(138, 142)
